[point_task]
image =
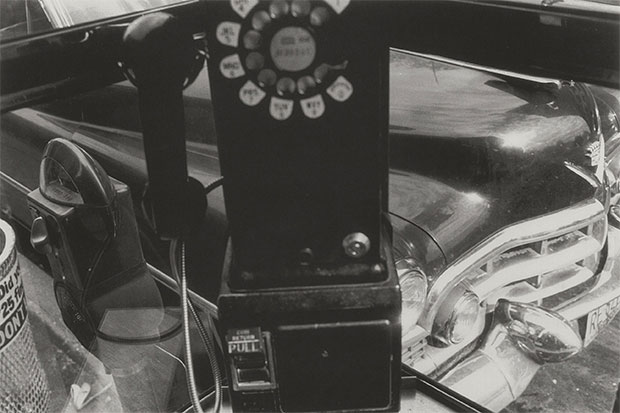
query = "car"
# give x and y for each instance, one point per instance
(504, 192)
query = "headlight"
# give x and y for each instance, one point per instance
(464, 317)
(413, 287)
(457, 317)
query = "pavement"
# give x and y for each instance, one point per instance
(585, 383)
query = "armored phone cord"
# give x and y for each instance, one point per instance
(186, 308)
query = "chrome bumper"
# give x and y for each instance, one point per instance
(499, 371)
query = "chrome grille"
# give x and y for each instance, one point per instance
(542, 271)
(414, 345)
(551, 261)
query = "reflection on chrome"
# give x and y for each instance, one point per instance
(413, 286)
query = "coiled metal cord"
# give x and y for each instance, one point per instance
(207, 340)
(186, 308)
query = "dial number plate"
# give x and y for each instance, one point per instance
(275, 50)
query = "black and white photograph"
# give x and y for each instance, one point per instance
(299, 206)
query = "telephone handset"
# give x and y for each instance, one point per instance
(300, 100)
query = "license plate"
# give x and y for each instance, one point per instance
(599, 317)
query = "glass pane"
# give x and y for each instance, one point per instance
(67, 13)
(22, 18)
(109, 376)
(473, 152)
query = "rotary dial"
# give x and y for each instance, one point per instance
(276, 48)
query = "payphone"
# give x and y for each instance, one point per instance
(309, 307)
(310, 303)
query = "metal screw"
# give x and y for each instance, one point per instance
(377, 268)
(306, 256)
(247, 276)
(356, 245)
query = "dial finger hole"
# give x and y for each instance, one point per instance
(254, 61)
(319, 16)
(267, 77)
(305, 84)
(300, 8)
(285, 85)
(252, 40)
(278, 8)
(260, 20)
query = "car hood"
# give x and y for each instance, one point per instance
(472, 152)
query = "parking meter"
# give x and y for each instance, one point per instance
(310, 304)
(84, 222)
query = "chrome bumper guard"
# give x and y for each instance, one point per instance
(501, 369)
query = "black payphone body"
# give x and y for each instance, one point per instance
(310, 302)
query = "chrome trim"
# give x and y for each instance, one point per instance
(432, 357)
(584, 174)
(586, 101)
(533, 230)
(487, 69)
(416, 334)
(614, 215)
(615, 148)
(565, 8)
(414, 344)
(606, 289)
(435, 357)
(551, 284)
(495, 374)
(612, 165)
(533, 264)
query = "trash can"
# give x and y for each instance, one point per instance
(23, 385)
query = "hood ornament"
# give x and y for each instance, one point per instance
(593, 153)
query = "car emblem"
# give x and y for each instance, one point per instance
(593, 153)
